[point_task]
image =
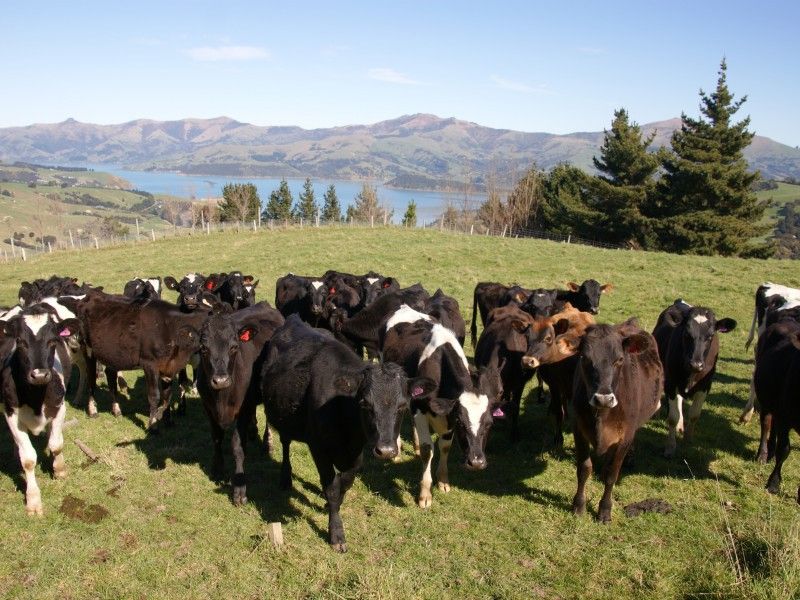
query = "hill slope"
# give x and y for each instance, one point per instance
(416, 151)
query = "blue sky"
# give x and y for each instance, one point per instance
(557, 67)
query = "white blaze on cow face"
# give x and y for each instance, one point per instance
(316, 284)
(405, 314)
(190, 277)
(61, 311)
(440, 336)
(36, 322)
(700, 319)
(372, 280)
(156, 283)
(476, 405)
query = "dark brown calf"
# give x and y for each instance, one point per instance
(618, 384)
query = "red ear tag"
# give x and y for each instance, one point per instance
(65, 332)
(417, 391)
(332, 291)
(209, 285)
(245, 335)
(386, 284)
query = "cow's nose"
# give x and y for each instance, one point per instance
(697, 365)
(39, 376)
(604, 400)
(219, 382)
(530, 362)
(385, 451)
(476, 463)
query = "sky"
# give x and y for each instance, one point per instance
(556, 67)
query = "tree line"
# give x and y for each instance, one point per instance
(695, 197)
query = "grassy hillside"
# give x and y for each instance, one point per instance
(503, 533)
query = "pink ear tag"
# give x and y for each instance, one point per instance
(65, 332)
(417, 391)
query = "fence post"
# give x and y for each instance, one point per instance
(254, 225)
(351, 220)
(137, 229)
(385, 216)
(23, 254)
(569, 237)
(372, 220)
(472, 229)
(71, 241)
(317, 217)
(49, 247)
(505, 227)
(13, 250)
(96, 243)
(301, 222)
(153, 234)
(441, 223)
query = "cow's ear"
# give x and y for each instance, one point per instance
(520, 326)
(636, 343)
(213, 282)
(442, 406)
(247, 333)
(561, 326)
(68, 327)
(247, 278)
(796, 340)
(4, 329)
(171, 283)
(567, 344)
(515, 340)
(606, 287)
(520, 297)
(725, 325)
(210, 301)
(572, 286)
(420, 388)
(188, 338)
(255, 283)
(673, 316)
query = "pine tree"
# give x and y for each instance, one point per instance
(331, 210)
(365, 205)
(410, 217)
(706, 204)
(565, 208)
(240, 202)
(307, 206)
(280, 203)
(625, 182)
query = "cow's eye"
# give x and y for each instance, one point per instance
(548, 340)
(618, 362)
(234, 349)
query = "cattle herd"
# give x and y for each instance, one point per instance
(341, 358)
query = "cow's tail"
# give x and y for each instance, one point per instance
(473, 328)
(752, 329)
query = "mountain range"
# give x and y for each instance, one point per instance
(412, 151)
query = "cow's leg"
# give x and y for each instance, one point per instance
(442, 478)
(55, 443)
(558, 403)
(155, 396)
(694, 414)
(416, 441)
(27, 457)
(763, 446)
(583, 461)
(111, 379)
(91, 380)
(286, 465)
(675, 422)
(749, 408)
(78, 359)
(781, 452)
(513, 409)
(239, 480)
(541, 398)
(422, 427)
(218, 463)
(611, 466)
(334, 487)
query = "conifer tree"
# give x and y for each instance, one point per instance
(365, 204)
(410, 217)
(706, 204)
(240, 202)
(307, 205)
(331, 210)
(279, 206)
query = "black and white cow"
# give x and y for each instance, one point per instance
(461, 402)
(317, 391)
(33, 379)
(302, 295)
(143, 287)
(771, 301)
(688, 345)
(189, 290)
(234, 289)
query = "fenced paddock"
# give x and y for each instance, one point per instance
(502, 533)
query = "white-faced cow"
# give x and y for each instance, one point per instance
(33, 379)
(232, 352)
(689, 347)
(318, 392)
(462, 399)
(618, 383)
(777, 382)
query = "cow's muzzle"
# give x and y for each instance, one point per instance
(220, 382)
(39, 376)
(604, 401)
(385, 451)
(475, 463)
(530, 362)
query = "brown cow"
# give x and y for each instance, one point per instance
(617, 388)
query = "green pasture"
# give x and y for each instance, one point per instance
(146, 521)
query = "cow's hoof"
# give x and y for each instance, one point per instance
(604, 517)
(762, 458)
(115, 409)
(773, 488)
(443, 486)
(425, 501)
(59, 472)
(34, 508)
(745, 417)
(578, 507)
(239, 496)
(339, 547)
(91, 409)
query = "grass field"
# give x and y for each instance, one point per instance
(506, 532)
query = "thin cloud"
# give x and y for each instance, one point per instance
(518, 86)
(219, 53)
(391, 76)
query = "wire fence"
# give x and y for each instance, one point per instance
(24, 249)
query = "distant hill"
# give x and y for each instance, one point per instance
(413, 151)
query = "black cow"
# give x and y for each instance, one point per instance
(689, 346)
(317, 391)
(586, 296)
(374, 285)
(618, 382)
(488, 296)
(463, 399)
(302, 295)
(232, 352)
(189, 290)
(140, 287)
(777, 381)
(31, 293)
(234, 289)
(33, 379)
(126, 334)
(446, 311)
(542, 303)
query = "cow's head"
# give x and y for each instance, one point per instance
(698, 339)
(220, 342)
(542, 340)
(374, 286)
(149, 288)
(384, 393)
(474, 415)
(36, 335)
(603, 352)
(318, 292)
(540, 303)
(587, 295)
(250, 284)
(189, 289)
